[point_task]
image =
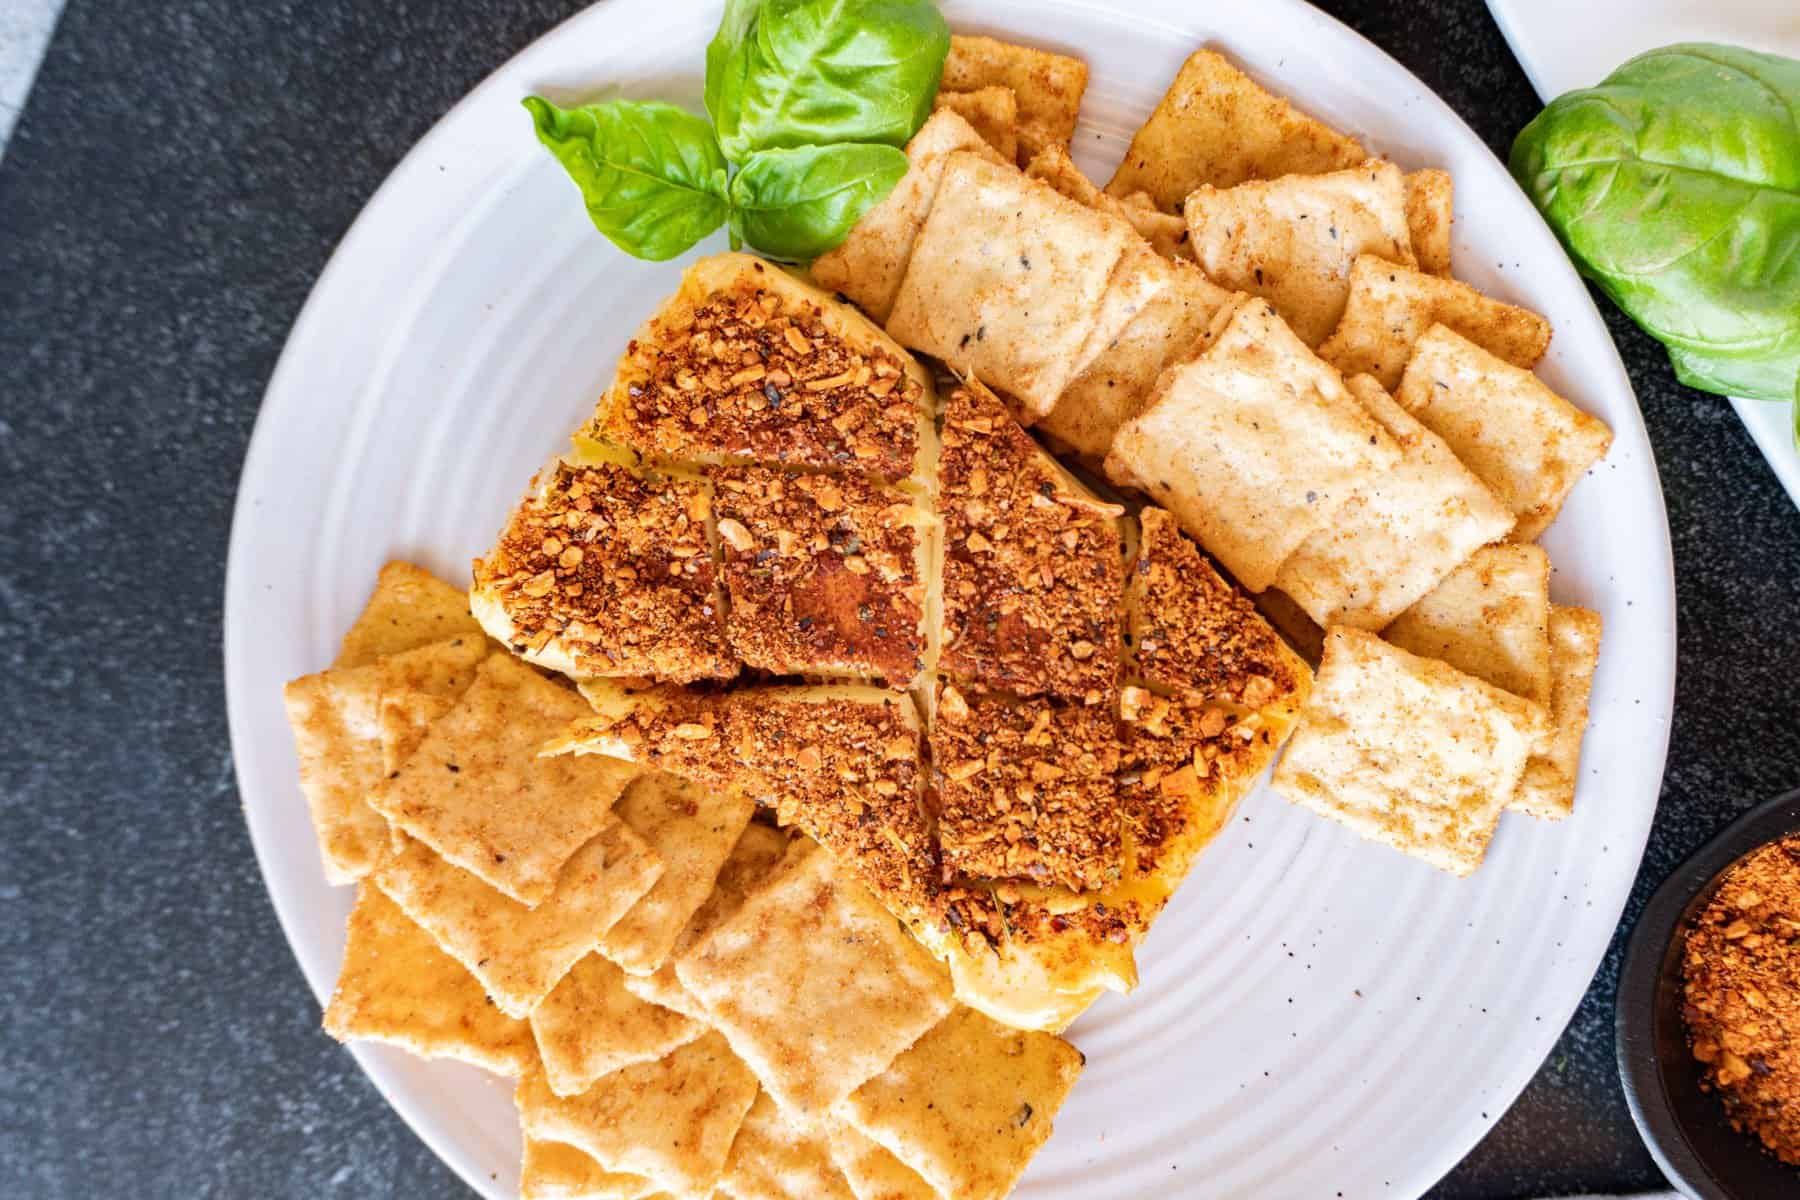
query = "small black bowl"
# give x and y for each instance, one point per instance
(1684, 1127)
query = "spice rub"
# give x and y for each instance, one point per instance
(1742, 968)
(825, 574)
(1032, 561)
(746, 363)
(606, 570)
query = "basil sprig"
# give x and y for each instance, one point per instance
(811, 99)
(1675, 186)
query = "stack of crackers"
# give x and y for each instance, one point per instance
(1255, 325)
(693, 1002)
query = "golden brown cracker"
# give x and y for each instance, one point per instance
(1253, 444)
(1548, 788)
(1048, 85)
(478, 793)
(815, 984)
(1527, 443)
(519, 954)
(397, 986)
(1407, 751)
(969, 1104)
(589, 1026)
(409, 607)
(1217, 125)
(671, 1121)
(1400, 534)
(1391, 307)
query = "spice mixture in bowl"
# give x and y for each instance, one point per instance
(1742, 974)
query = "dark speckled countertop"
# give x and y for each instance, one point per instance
(180, 174)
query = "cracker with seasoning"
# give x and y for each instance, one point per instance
(1217, 126)
(1292, 240)
(992, 111)
(671, 1121)
(777, 1156)
(693, 830)
(590, 1025)
(1489, 618)
(519, 954)
(968, 1104)
(870, 264)
(1400, 534)
(1530, 445)
(555, 1171)
(353, 726)
(1048, 85)
(397, 986)
(1391, 307)
(1016, 304)
(1548, 788)
(410, 607)
(758, 851)
(814, 983)
(1407, 751)
(1254, 444)
(479, 794)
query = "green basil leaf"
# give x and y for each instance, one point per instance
(788, 73)
(799, 202)
(1675, 186)
(651, 173)
(726, 59)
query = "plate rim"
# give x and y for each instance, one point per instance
(1432, 1162)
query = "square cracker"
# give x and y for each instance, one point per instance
(1400, 534)
(969, 1104)
(340, 738)
(1292, 240)
(775, 1157)
(1489, 618)
(873, 1172)
(1048, 85)
(1217, 125)
(759, 850)
(692, 829)
(1117, 385)
(992, 111)
(589, 1026)
(1526, 442)
(1391, 308)
(409, 607)
(1407, 751)
(1430, 201)
(1253, 444)
(1166, 232)
(397, 986)
(815, 983)
(553, 1171)
(1548, 788)
(1007, 280)
(870, 263)
(671, 1121)
(421, 686)
(477, 792)
(519, 954)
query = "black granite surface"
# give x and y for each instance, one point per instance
(181, 173)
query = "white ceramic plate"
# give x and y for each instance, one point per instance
(1318, 1016)
(1563, 46)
